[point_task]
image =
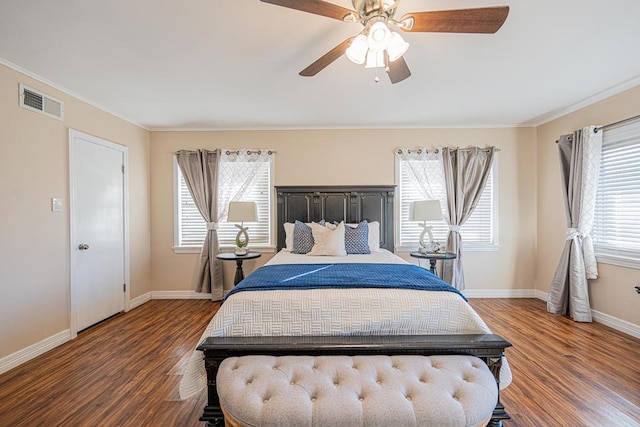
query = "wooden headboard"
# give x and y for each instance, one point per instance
(337, 203)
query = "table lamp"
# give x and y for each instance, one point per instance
(241, 212)
(427, 210)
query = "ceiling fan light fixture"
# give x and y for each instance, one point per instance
(375, 59)
(379, 36)
(397, 46)
(357, 51)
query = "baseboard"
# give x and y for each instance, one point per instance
(617, 324)
(610, 321)
(499, 293)
(180, 295)
(138, 301)
(542, 295)
(21, 356)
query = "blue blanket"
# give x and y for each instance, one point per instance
(347, 275)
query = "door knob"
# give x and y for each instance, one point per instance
(83, 246)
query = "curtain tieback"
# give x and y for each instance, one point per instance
(212, 226)
(572, 233)
(455, 228)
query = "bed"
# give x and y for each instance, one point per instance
(333, 310)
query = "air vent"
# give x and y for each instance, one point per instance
(38, 101)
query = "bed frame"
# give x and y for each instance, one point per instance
(351, 204)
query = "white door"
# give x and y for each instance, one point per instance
(98, 249)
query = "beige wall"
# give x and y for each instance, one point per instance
(34, 241)
(350, 157)
(612, 293)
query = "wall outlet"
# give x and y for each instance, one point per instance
(56, 205)
(638, 289)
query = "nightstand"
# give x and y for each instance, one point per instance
(433, 257)
(230, 256)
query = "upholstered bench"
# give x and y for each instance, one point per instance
(367, 391)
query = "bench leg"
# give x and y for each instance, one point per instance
(212, 412)
(499, 414)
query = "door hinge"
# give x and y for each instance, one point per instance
(122, 168)
(124, 287)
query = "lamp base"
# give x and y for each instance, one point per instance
(429, 245)
(242, 238)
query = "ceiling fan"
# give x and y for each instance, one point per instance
(378, 45)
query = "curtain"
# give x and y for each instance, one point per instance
(579, 165)
(200, 171)
(465, 173)
(426, 172)
(239, 170)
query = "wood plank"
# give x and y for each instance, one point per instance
(126, 370)
(564, 372)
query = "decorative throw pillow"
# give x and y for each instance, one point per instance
(288, 236)
(356, 239)
(374, 236)
(327, 241)
(302, 237)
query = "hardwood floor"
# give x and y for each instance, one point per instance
(564, 373)
(126, 370)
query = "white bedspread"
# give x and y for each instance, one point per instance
(337, 312)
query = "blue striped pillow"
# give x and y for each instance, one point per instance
(356, 239)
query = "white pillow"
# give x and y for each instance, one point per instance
(374, 236)
(327, 241)
(288, 236)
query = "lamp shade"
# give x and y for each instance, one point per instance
(426, 210)
(242, 211)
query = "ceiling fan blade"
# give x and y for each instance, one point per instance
(398, 70)
(317, 7)
(326, 59)
(481, 20)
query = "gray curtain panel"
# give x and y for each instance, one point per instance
(466, 171)
(580, 165)
(200, 171)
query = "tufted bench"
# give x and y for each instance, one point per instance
(383, 391)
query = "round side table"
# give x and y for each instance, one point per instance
(230, 256)
(433, 257)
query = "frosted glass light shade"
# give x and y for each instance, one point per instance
(375, 59)
(379, 36)
(357, 51)
(397, 46)
(242, 211)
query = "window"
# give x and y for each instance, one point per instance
(616, 230)
(242, 176)
(478, 232)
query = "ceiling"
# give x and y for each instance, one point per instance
(212, 64)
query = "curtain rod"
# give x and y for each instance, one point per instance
(436, 150)
(619, 122)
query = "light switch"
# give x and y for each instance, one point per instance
(56, 205)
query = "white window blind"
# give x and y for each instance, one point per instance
(477, 232)
(616, 230)
(238, 180)
(191, 225)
